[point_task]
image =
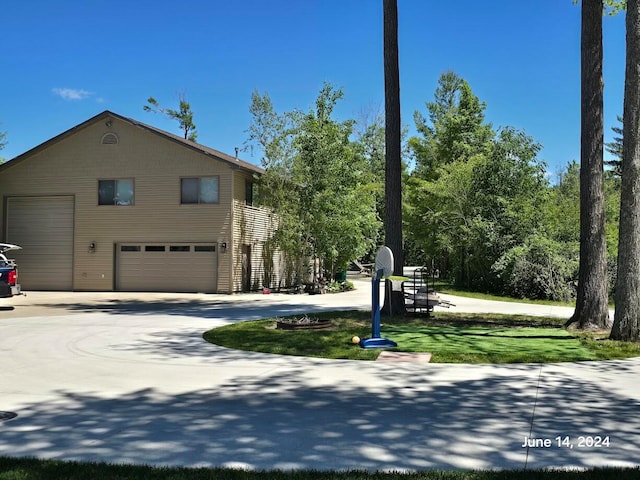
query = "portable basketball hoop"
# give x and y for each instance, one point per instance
(383, 268)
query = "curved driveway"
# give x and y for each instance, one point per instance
(127, 378)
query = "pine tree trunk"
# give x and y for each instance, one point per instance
(592, 310)
(393, 165)
(626, 322)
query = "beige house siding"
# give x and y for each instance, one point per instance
(75, 164)
(253, 227)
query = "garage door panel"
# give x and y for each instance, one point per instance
(177, 269)
(43, 227)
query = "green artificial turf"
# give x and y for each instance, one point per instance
(449, 337)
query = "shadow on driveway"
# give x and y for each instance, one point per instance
(250, 309)
(285, 421)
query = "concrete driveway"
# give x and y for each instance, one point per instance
(127, 378)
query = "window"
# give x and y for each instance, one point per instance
(248, 192)
(130, 248)
(115, 192)
(205, 248)
(199, 190)
(179, 248)
(155, 248)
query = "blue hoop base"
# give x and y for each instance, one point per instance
(378, 342)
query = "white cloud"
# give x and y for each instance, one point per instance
(71, 93)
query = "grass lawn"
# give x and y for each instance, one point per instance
(450, 337)
(447, 288)
(31, 469)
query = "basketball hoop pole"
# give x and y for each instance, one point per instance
(375, 304)
(376, 341)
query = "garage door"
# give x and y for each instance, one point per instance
(43, 227)
(167, 267)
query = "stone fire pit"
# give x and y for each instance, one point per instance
(302, 323)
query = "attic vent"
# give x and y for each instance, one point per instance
(110, 139)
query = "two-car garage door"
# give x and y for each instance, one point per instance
(167, 267)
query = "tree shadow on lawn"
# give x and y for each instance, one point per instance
(498, 334)
(395, 417)
(463, 319)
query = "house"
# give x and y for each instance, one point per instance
(114, 204)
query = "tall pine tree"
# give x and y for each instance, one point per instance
(592, 309)
(393, 163)
(626, 325)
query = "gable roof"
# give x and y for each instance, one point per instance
(233, 162)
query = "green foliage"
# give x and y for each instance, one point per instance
(615, 148)
(335, 287)
(183, 115)
(440, 211)
(272, 134)
(612, 186)
(317, 181)
(475, 193)
(441, 214)
(612, 7)
(335, 202)
(455, 130)
(561, 221)
(562, 209)
(539, 269)
(480, 205)
(269, 248)
(370, 146)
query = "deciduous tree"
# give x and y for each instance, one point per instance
(336, 207)
(452, 134)
(316, 181)
(272, 135)
(370, 144)
(479, 207)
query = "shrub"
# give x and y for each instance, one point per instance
(539, 269)
(334, 287)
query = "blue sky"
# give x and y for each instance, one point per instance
(63, 62)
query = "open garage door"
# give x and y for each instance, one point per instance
(43, 227)
(167, 267)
